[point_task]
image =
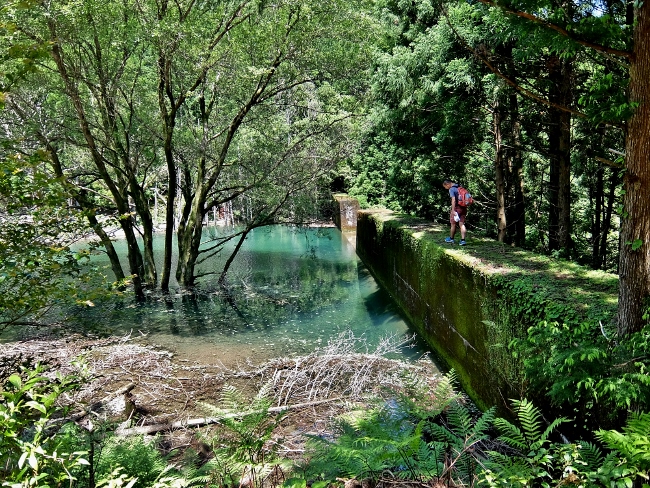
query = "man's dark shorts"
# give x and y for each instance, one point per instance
(462, 213)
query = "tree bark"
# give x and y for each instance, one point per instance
(189, 240)
(516, 170)
(597, 230)
(144, 212)
(634, 262)
(169, 209)
(81, 198)
(614, 181)
(559, 138)
(499, 171)
(168, 119)
(515, 214)
(117, 190)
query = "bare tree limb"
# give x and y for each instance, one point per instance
(199, 422)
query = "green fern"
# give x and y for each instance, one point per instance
(373, 443)
(591, 455)
(392, 439)
(530, 436)
(243, 451)
(460, 435)
(506, 471)
(633, 444)
(136, 457)
(536, 461)
(412, 402)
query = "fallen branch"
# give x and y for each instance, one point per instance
(199, 422)
(122, 391)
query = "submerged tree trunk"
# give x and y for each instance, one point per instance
(150, 275)
(169, 212)
(189, 241)
(114, 259)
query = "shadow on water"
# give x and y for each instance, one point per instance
(287, 293)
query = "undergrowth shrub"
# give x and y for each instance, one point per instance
(244, 452)
(588, 368)
(399, 439)
(453, 444)
(535, 459)
(135, 458)
(31, 450)
(417, 436)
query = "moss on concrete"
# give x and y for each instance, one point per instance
(468, 303)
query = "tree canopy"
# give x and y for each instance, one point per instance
(539, 107)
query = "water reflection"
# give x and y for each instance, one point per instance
(287, 293)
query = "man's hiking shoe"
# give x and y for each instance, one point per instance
(462, 242)
(449, 240)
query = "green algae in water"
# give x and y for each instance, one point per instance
(289, 291)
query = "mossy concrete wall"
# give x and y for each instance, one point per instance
(458, 301)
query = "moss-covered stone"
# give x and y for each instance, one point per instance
(468, 303)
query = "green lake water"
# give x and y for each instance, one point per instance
(290, 291)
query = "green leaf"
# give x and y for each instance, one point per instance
(320, 484)
(15, 380)
(37, 406)
(295, 483)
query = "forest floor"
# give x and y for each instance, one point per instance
(132, 386)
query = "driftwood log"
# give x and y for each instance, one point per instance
(199, 422)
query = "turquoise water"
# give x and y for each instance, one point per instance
(289, 291)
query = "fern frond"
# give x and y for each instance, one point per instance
(511, 434)
(231, 398)
(446, 391)
(530, 419)
(634, 442)
(507, 471)
(460, 420)
(591, 455)
(552, 426)
(431, 458)
(638, 423)
(483, 424)
(442, 434)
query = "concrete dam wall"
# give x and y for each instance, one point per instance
(469, 303)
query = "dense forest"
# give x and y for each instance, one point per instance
(152, 116)
(537, 108)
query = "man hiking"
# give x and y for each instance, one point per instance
(457, 214)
